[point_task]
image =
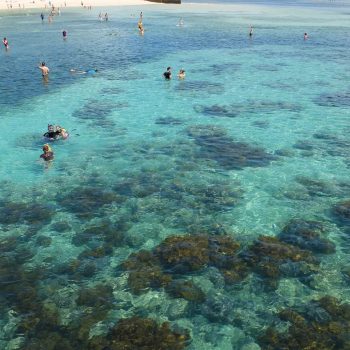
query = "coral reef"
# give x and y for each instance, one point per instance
(24, 213)
(326, 327)
(183, 255)
(307, 235)
(142, 334)
(226, 152)
(341, 211)
(144, 272)
(87, 202)
(186, 290)
(272, 259)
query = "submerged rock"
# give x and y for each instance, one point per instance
(144, 272)
(86, 202)
(24, 213)
(325, 327)
(340, 99)
(228, 153)
(169, 121)
(307, 235)
(182, 255)
(186, 290)
(272, 259)
(341, 211)
(142, 334)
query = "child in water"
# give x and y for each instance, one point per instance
(6, 43)
(48, 153)
(182, 74)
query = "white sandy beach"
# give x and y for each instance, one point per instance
(39, 4)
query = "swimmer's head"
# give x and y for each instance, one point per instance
(168, 68)
(47, 148)
(51, 128)
(43, 64)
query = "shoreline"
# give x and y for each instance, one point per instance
(22, 5)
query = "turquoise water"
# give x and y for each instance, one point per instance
(256, 135)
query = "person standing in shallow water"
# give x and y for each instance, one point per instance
(44, 69)
(167, 74)
(6, 43)
(251, 31)
(64, 34)
(42, 17)
(306, 36)
(48, 153)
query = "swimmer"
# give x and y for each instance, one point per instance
(48, 153)
(167, 74)
(64, 34)
(56, 132)
(89, 71)
(62, 132)
(44, 69)
(306, 36)
(140, 26)
(181, 23)
(182, 74)
(6, 43)
(250, 31)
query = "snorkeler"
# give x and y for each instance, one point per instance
(89, 71)
(182, 74)
(55, 133)
(167, 74)
(6, 43)
(44, 69)
(48, 153)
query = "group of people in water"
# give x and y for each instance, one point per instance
(168, 75)
(54, 133)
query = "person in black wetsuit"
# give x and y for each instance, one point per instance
(167, 74)
(52, 132)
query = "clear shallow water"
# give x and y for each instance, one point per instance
(150, 159)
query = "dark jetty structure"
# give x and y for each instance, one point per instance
(166, 1)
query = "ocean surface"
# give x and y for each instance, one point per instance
(219, 203)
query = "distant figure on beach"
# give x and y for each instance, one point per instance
(306, 36)
(44, 69)
(48, 153)
(167, 74)
(89, 71)
(6, 43)
(182, 74)
(64, 34)
(42, 17)
(181, 23)
(251, 31)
